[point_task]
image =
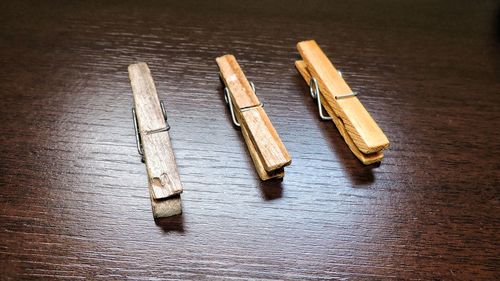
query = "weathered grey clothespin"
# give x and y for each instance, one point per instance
(153, 143)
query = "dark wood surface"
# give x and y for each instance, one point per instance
(73, 196)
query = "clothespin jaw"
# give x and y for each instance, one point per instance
(268, 152)
(361, 133)
(153, 143)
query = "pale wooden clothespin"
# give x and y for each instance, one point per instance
(268, 153)
(361, 133)
(153, 143)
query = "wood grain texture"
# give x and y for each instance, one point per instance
(163, 177)
(366, 159)
(357, 122)
(146, 102)
(234, 78)
(73, 200)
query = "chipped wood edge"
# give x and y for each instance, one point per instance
(168, 182)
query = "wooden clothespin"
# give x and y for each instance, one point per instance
(361, 133)
(153, 143)
(268, 153)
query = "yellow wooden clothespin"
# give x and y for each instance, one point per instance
(153, 143)
(361, 133)
(268, 153)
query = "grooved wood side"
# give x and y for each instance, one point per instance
(265, 139)
(158, 154)
(364, 158)
(167, 207)
(358, 123)
(257, 159)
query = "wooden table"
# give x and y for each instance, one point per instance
(73, 194)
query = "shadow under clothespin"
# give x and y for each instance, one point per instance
(171, 224)
(271, 189)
